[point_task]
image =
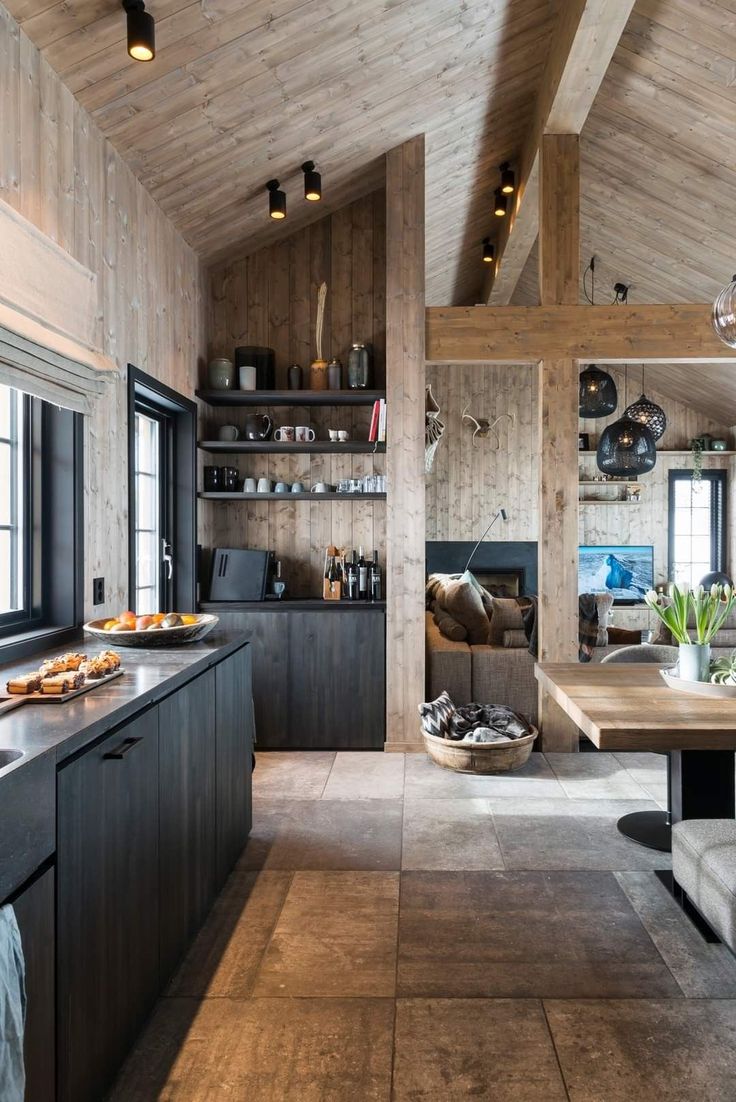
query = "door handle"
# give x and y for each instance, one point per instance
(124, 748)
(167, 557)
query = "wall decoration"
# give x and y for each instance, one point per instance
(434, 428)
(482, 427)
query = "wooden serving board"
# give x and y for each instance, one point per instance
(8, 701)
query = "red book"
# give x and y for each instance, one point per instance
(373, 434)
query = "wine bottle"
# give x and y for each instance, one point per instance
(362, 576)
(376, 579)
(351, 577)
(333, 580)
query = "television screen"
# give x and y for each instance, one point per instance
(626, 572)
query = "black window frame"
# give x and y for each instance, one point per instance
(718, 480)
(179, 469)
(53, 518)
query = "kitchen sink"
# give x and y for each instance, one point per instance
(7, 757)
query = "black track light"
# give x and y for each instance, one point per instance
(500, 203)
(312, 182)
(508, 180)
(489, 252)
(276, 200)
(141, 31)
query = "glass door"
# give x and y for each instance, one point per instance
(153, 568)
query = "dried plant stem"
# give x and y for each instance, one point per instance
(321, 300)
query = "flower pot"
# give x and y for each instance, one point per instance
(693, 661)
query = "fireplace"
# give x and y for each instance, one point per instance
(509, 565)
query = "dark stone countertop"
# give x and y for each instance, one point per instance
(63, 729)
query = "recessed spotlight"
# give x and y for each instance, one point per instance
(141, 31)
(276, 200)
(508, 180)
(489, 252)
(500, 203)
(312, 182)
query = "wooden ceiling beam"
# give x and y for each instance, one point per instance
(583, 43)
(678, 333)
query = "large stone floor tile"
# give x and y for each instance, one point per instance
(571, 834)
(262, 1050)
(292, 774)
(448, 1050)
(524, 934)
(228, 950)
(702, 969)
(594, 776)
(336, 936)
(449, 834)
(366, 775)
(426, 780)
(675, 1050)
(643, 766)
(325, 834)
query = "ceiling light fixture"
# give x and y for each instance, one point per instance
(276, 200)
(724, 314)
(500, 203)
(598, 396)
(647, 413)
(508, 180)
(627, 447)
(141, 31)
(489, 252)
(312, 182)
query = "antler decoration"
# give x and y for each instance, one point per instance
(482, 426)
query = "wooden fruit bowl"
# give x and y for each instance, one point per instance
(161, 637)
(480, 757)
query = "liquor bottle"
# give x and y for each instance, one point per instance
(333, 585)
(351, 578)
(376, 579)
(362, 576)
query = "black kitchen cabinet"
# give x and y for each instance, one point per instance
(186, 726)
(108, 904)
(234, 708)
(34, 910)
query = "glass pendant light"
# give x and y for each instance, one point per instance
(626, 448)
(647, 413)
(598, 396)
(724, 314)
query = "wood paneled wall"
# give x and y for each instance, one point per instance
(61, 174)
(270, 298)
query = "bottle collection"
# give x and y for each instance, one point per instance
(353, 578)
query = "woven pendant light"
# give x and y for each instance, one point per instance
(647, 413)
(724, 314)
(626, 448)
(598, 396)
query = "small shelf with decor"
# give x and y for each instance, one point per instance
(290, 397)
(291, 447)
(235, 495)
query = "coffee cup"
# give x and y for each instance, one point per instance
(334, 435)
(278, 588)
(212, 480)
(321, 488)
(250, 486)
(305, 434)
(284, 434)
(281, 488)
(297, 487)
(228, 432)
(247, 377)
(343, 435)
(264, 486)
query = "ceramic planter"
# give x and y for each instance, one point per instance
(693, 661)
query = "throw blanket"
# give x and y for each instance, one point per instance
(587, 626)
(486, 723)
(12, 1009)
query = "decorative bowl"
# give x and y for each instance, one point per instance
(160, 637)
(480, 757)
(697, 688)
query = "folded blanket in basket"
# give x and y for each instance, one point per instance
(486, 721)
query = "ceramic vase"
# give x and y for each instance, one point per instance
(693, 661)
(221, 374)
(318, 375)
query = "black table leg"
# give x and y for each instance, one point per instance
(702, 785)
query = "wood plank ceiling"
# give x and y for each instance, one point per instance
(240, 92)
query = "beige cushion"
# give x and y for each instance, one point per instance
(515, 638)
(447, 624)
(506, 616)
(461, 598)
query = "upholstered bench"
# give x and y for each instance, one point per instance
(704, 865)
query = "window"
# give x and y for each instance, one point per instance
(162, 459)
(697, 525)
(40, 522)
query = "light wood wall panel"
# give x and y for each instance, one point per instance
(58, 171)
(270, 298)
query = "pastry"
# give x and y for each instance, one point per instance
(70, 661)
(111, 660)
(97, 667)
(25, 683)
(57, 683)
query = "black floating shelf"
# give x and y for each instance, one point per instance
(290, 397)
(235, 496)
(292, 604)
(317, 447)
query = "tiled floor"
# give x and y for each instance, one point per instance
(400, 933)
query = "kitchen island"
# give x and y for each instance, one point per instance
(120, 821)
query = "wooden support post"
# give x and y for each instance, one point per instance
(405, 373)
(559, 220)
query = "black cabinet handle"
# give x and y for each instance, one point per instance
(122, 749)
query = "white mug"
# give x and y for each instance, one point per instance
(247, 377)
(321, 488)
(343, 435)
(264, 486)
(305, 434)
(228, 432)
(250, 486)
(284, 434)
(334, 435)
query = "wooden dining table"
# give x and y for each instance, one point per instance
(629, 707)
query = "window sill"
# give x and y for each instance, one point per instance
(28, 643)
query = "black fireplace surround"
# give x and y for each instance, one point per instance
(450, 557)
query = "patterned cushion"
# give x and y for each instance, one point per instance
(436, 715)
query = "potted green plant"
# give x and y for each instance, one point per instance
(708, 610)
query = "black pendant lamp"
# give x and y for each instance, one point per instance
(626, 448)
(500, 203)
(598, 396)
(489, 251)
(647, 413)
(141, 31)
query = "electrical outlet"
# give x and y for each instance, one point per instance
(98, 591)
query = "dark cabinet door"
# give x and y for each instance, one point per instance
(234, 757)
(34, 909)
(107, 905)
(186, 724)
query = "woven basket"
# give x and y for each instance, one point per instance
(480, 757)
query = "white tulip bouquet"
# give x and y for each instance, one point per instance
(710, 610)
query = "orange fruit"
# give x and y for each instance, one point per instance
(109, 625)
(189, 618)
